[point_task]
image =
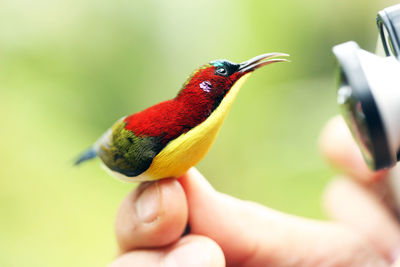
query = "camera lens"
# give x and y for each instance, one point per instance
(358, 106)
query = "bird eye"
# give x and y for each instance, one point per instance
(222, 71)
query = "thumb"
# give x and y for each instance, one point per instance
(252, 235)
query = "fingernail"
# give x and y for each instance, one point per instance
(149, 203)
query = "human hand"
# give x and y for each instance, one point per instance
(360, 199)
(228, 231)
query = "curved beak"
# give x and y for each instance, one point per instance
(261, 60)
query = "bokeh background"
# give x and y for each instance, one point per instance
(69, 69)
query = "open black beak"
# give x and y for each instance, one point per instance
(259, 61)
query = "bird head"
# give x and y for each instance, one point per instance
(212, 81)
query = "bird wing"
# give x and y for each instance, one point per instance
(124, 152)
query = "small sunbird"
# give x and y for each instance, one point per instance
(167, 139)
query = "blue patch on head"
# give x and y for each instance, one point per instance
(224, 67)
(217, 63)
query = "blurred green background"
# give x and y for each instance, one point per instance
(69, 69)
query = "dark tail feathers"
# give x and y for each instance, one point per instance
(87, 155)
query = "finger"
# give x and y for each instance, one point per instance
(340, 149)
(191, 250)
(349, 202)
(253, 235)
(153, 215)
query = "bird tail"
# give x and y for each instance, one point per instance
(91, 152)
(87, 155)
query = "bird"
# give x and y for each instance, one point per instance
(167, 139)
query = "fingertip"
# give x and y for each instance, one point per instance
(138, 258)
(194, 179)
(191, 250)
(195, 250)
(339, 148)
(155, 214)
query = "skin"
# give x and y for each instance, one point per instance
(226, 231)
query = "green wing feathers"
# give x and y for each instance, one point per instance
(126, 153)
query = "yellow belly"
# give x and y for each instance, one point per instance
(188, 149)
